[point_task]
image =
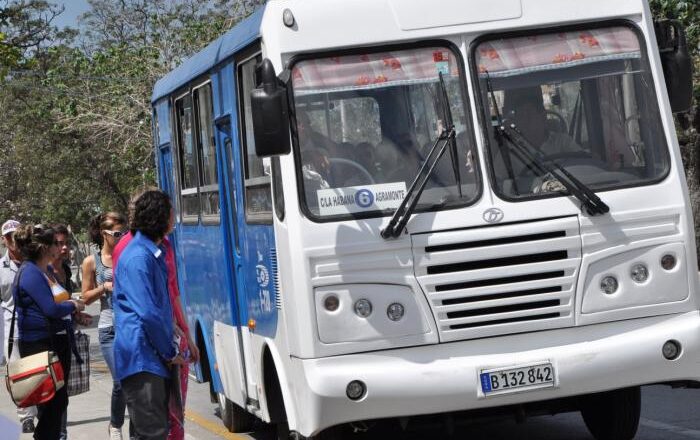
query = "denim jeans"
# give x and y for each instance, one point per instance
(118, 408)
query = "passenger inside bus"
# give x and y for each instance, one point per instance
(525, 108)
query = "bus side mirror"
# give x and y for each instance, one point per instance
(676, 63)
(270, 113)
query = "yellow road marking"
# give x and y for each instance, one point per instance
(213, 427)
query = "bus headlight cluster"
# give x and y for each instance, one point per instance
(386, 315)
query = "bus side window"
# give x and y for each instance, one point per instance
(256, 179)
(187, 155)
(206, 146)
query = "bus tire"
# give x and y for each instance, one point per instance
(204, 365)
(235, 418)
(613, 415)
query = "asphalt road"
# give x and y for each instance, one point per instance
(666, 415)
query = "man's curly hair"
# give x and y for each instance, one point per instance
(152, 214)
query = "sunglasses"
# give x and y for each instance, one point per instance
(116, 234)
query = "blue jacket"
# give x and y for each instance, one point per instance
(36, 308)
(143, 318)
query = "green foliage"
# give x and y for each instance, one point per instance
(24, 26)
(76, 137)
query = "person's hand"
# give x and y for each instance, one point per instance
(83, 319)
(194, 351)
(108, 286)
(179, 332)
(178, 360)
(79, 305)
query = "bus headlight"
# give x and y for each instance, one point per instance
(395, 311)
(363, 308)
(668, 262)
(331, 303)
(639, 273)
(609, 285)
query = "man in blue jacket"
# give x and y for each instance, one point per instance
(144, 347)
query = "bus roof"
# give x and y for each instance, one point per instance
(217, 51)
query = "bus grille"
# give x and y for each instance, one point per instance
(502, 279)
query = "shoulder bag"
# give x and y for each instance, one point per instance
(78, 381)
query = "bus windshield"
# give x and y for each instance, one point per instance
(584, 100)
(365, 123)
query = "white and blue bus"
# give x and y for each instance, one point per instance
(394, 208)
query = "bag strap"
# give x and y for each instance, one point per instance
(15, 286)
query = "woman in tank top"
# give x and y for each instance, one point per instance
(105, 231)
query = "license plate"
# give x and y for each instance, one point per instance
(500, 381)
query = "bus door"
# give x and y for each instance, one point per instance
(254, 240)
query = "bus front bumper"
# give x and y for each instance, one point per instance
(445, 377)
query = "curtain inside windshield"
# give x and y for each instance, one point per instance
(365, 124)
(583, 99)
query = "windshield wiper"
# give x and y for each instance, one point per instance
(447, 137)
(447, 117)
(529, 155)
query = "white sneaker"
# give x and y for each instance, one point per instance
(115, 433)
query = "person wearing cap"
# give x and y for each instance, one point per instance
(9, 264)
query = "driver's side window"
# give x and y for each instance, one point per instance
(256, 178)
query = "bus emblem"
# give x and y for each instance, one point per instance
(262, 275)
(493, 215)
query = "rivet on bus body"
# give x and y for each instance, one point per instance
(288, 18)
(251, 324)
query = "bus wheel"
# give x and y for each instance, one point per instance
(613, 415)
(235, 418)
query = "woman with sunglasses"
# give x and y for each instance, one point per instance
(43, 316)
(105, 231)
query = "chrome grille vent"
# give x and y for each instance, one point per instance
(500, 280)
(275, 278)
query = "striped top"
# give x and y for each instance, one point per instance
(104, 274)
